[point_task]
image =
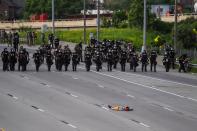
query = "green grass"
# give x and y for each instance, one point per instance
(76, 35)
(135, 35)
(194, 61)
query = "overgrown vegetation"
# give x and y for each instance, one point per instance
(187, 34)
(128, 34)
(63, 8)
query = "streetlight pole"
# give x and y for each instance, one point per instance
(175, 26)
(84, 11)
(98, 19)
(53, 16)
(145, 25)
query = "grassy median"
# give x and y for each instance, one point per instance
(76, 35)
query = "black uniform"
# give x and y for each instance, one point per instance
(51, 39)
(135, 61)
(98, 60)
(49, 59)
(166, 62)
(23, 59)
(12, 59)
(131, 53)
(75, 61)
(153, 60)
(57, 42)
(144, 61)
(182, 63)
(79, 51)
(66, 58)
(37, 60)
(5, 59)
(115, 56)
(88, 60)
(109, 60)
(16, 41)
(123, 60)
(59, 60)
(172, 57)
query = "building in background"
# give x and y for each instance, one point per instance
(164, 7)
(10, 9)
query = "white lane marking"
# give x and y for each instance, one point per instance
(189, 98)
(48, 86)
(101, 86)
(41, 110)
(75, 78)
(145, 125)
(16, 98)
(168, 109)
(105, 108)
(27, 78)
(72, 126)
(131, 96)
(159, 79)
(144, 86)
(73, 95)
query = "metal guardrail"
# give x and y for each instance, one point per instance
(184, 14)
(194, 65)
(57, 20)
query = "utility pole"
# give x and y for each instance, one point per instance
(84, 11)
(145, 26)
(175, 25)
(53, 16)
(98, 20)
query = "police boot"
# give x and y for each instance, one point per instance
(145, 68)
(142, 67)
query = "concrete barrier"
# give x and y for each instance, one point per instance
(37, 25)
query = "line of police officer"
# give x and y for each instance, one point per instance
(111, 53)
(10, 59)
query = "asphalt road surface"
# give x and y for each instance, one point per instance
(77, 101)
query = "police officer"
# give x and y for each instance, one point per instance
(153, 60)
(182, 62)
(49, 59)
(89, 49)
(59, 59)
(12, 59)
(98, 59)
(16, 41)
(5, 59)
(79, 51)
(23, 59)
(130, 55)
(37, 59)
(123, 60)
(109, 60)
(75, 60)
(66, 57)
(57, 42)
(88, 59)
(144, 61)
(166, 61)
(115, 55)
(51, 39)
(172, 57)
(135, 61)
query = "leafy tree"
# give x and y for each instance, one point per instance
(63, 8)
(136, 14)
(186, 35)
(118, 18)
(117, 4)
